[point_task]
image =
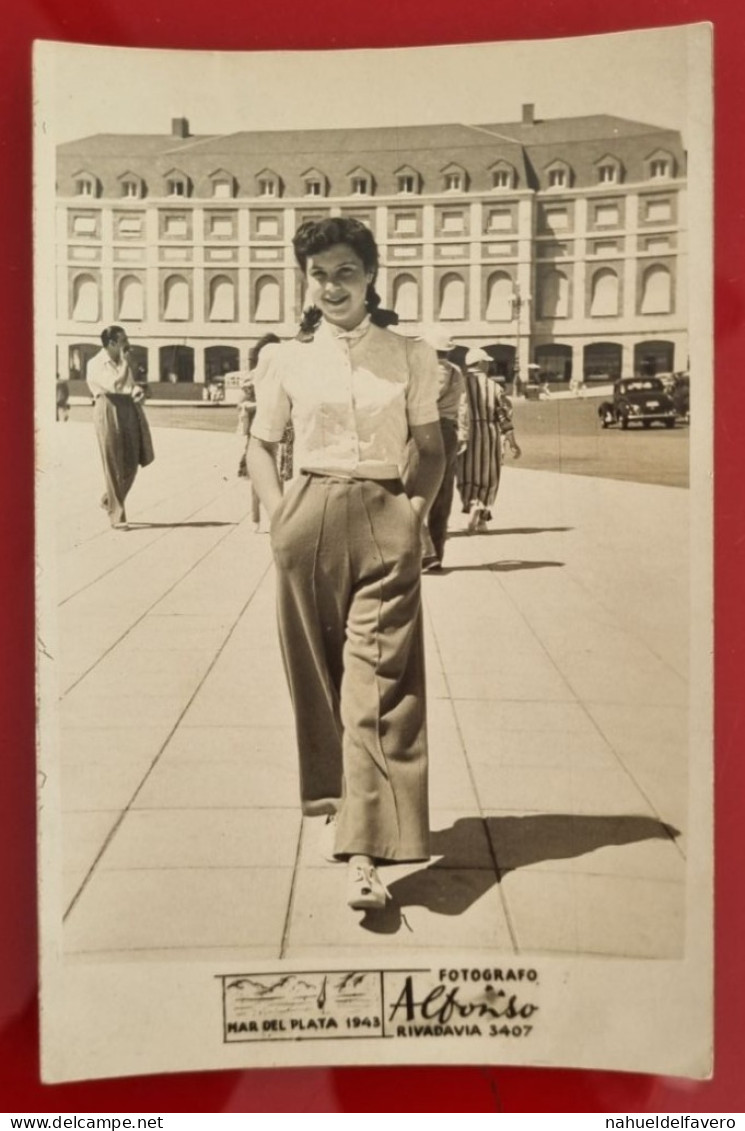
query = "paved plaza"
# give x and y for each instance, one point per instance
(557, 653)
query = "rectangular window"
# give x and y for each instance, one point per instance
(405, 225)
(221, 226)
(499, 221)
(557, 178)
(84, 226)
(405, 252)
(607, 216)
(501, 179)
(453, 182)
(267, 187)
(453, 222)
(130, 226)
(222, 189)
(657, 245)
(360, 186)
(607, 174)
(605, 247)
(658, 169)
(267, 226)
(130, 189)
(658, 210)
(406, 184)
(176, 188)
(84, 188)
(557, 218)
(453, 251)
(175, 226)
(313, 188)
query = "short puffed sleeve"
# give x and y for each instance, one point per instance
(424, 382)
(272, 402)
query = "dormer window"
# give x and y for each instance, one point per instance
(501, 179)
(131, 186)
(406, 183)
(85, 185)
(176, 185)
(660, 165)
(558, 175)
(607, 174)
(360, 186)
(453, 182)
(268, 184)
(222, 190)
(313, 188)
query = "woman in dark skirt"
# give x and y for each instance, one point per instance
(479, 466)
(121, 428)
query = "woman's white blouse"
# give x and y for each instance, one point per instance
(351, 398)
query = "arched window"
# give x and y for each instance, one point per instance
(452, 297)
(222, 299)
(554, 295)
(85, 299)
(656, 291)
(499, 298)
(131, 299)
(406, 298)
(176, 299)
(604, 300)
(268, 300)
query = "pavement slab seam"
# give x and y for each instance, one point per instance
(156, 759)
(154, 605)
(436, 645)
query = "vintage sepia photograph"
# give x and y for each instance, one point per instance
(374, 602)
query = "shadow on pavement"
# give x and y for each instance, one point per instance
(475, 853)
(513, 530)
(497, 567)
(174, 525)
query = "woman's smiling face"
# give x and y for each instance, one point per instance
(337, 285)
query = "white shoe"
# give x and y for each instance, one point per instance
(365, 889)
(475, 517)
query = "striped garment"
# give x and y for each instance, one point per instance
(480, 464)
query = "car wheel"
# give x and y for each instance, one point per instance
(669, 423)
(646, 423)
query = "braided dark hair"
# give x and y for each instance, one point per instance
(253, 354)
(316, 236)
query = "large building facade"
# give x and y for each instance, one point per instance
(560, 243)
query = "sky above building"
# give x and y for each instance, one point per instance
(641, 75)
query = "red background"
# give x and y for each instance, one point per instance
(236, 25)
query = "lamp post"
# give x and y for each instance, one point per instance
(517, 301)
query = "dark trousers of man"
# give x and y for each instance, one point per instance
(118, 433)
(349, 608)
(440, 510)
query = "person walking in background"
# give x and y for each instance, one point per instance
(452, 406)
(121, 426)
(479, 466)
(346, 539)
(63, 399)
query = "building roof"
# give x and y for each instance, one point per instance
(382, 150)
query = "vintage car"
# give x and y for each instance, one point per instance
(638, 400)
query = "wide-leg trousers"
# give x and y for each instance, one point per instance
(440, 510)
(348, 561)
(118, 433)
